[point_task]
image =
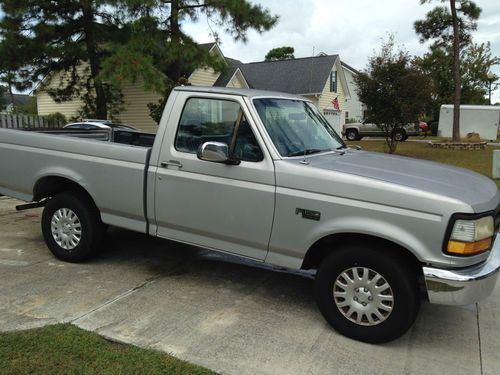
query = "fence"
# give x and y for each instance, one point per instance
(12, 121)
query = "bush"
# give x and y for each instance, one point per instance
(56, 119)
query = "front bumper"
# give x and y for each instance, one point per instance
(463, 286)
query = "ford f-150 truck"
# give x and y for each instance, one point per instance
(264, 176)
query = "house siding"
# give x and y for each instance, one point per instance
(237, 82)
(326, 98)
(353, 105)
(203, 77)
(136, 112)
(47, 105)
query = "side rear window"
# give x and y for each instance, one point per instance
(214, 120)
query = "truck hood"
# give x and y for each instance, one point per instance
(472, 188)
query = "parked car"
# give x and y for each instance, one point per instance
(264, 176)
(357, 130)
(97, 125)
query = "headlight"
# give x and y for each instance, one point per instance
(469, 237)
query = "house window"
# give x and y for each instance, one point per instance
(333, 81)
(346, 115)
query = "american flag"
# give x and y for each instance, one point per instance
(335, 103)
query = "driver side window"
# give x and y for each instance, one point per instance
(215, 120)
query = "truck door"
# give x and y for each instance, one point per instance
(220, 206)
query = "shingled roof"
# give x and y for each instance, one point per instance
(19, 99)
(296, 76)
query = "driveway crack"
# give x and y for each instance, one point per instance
(119, 297)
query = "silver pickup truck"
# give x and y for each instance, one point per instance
(263, 175)
(355, 131)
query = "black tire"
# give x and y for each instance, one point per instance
(399, 135)
(399, 275)
(352, 134)
(88, 220)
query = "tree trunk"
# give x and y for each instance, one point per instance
(95, 68)
(175, 38)
(456, 73)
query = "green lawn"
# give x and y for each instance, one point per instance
(479, 161)
(66, 349)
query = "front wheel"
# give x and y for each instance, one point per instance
(72, 227)
(367, 295)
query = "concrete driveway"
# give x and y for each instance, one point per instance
(215, 312)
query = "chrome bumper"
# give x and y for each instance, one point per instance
(466, 285)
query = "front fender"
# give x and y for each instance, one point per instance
(371, 227)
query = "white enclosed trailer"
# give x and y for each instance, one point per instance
(481, 119)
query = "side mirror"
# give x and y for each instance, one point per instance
(216, 152)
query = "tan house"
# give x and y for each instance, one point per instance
(319, 78)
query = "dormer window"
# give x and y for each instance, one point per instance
(333, 81)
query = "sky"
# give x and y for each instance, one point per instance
(353, 29)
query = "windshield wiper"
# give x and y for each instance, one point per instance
(307, 151)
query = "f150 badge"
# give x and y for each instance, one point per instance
(308, 214)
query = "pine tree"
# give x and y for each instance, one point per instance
(280, 53)
(160, 55)
(67, 37)
(451, 27)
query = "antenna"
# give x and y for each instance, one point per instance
(304, 161)
(311, 71)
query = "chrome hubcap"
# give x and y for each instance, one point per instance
(363, 296)
(66, 228)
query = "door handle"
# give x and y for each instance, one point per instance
(171, 163)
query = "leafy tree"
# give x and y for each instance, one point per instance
(280, 53)
(451, 27)
(160, 55)
(476, 62)
(45, 37)
(395, 91)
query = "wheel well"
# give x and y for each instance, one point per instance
(49, 186)
(325, 246)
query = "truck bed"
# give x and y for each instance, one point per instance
(111, 172)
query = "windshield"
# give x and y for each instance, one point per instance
(296, 127)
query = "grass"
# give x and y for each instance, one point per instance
(66, 349)
(479, 160)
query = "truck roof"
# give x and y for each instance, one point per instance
(250, 93)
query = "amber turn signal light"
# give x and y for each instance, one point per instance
(469, 248)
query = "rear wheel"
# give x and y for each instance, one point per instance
(352, 134)
(72, 226)
(367, 295)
